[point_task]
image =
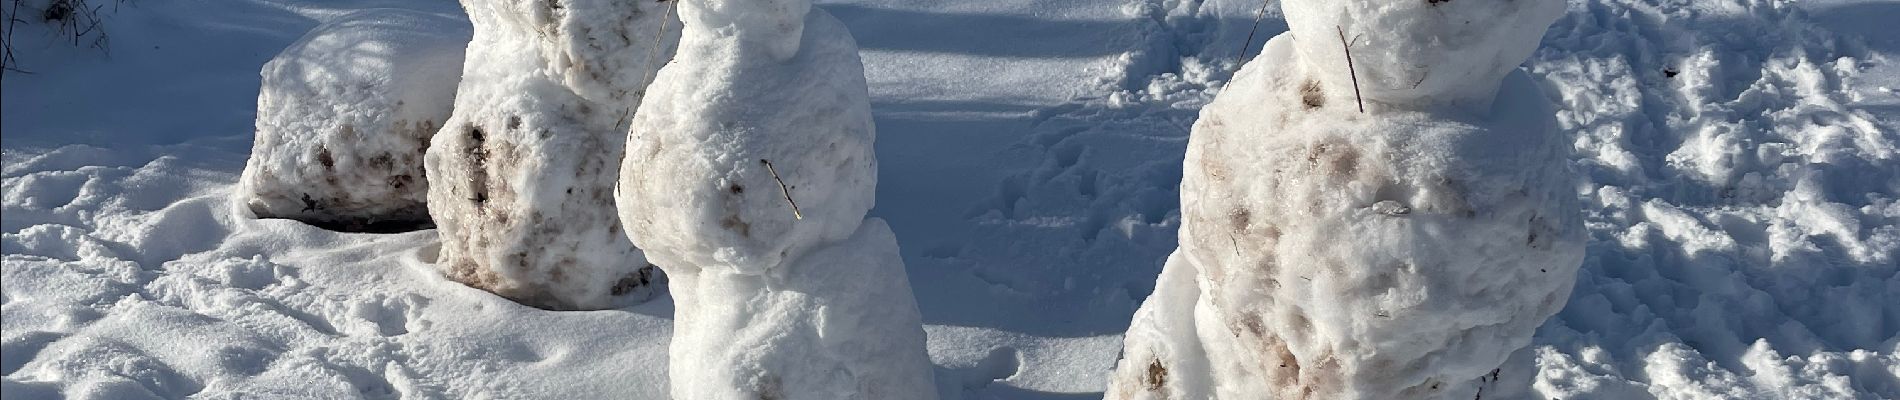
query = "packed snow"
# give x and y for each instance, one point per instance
(344, 116)
(1397, 253)
(749, 170)
(521, 179)
(1735, 161)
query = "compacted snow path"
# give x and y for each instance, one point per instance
(1738, 164)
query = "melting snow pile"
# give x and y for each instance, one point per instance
(345, 114)
(521, 178)
(747, 178)
(1400, 252)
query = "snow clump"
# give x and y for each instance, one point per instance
(344, 116)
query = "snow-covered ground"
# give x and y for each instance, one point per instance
(1740, 183)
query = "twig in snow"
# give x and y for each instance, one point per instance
(786, 190)
(620, 124)
(1349, 68)
(658, 37)
(1256, 27)
(6, 41)
(653, 55)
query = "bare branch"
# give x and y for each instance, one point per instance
(1256, 27)
(786, 190)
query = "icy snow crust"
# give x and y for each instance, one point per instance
(521, 177)
(1741, 212)
(1340, 254)
(345, 114)
(769, 304)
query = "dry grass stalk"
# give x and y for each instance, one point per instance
(1350, 69)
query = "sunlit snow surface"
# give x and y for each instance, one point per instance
(1739, 185)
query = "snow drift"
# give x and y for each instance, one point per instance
(521, 177)
(1401, 252)
(748, 175)
(345, 114)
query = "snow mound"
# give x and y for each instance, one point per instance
(521, 177)
(345, 114)
(748, 175)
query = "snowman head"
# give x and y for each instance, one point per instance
(773, 26)
(1416, 54)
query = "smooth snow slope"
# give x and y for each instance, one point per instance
(1742, 211)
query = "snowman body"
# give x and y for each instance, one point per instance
(1400, 252)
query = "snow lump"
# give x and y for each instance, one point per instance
(344, 115)
(748, 174)
(1402, 252)
(521, 177)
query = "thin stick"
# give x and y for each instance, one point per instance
(1349, 68)
(621, 123)
(653, 55)
(787, 191)
(1256, 27)
(8, 61)
(658, 37)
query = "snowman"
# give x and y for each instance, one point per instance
(748, 173)
(1377, 207)
(521, 176)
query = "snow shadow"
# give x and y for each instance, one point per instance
(1060, 224)
(1873, 21)
(168, 81)
(978, 34)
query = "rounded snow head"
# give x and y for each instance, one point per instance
(773, 28)
(1417, 53)
(344, 116)
(741, 161)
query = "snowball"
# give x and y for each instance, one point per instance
(1416, 53)
(748, 174)
(521, 177)
(1397, 254)
(344, 115)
